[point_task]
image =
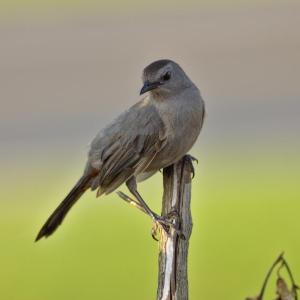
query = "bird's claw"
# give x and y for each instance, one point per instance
(189, 159)
(166, 223)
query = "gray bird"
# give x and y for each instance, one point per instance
(154, 133)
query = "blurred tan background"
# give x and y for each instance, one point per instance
(68, 68)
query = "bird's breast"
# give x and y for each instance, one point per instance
(182, 127)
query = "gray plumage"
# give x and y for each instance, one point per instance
(151, 135)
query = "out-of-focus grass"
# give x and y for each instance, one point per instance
(246, 211)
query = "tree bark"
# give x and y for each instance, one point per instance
(173, 249)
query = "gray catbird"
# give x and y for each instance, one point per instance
(151, 135)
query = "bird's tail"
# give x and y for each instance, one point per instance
(61, 211)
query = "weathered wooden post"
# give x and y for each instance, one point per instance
(174, 245)
(173, 249)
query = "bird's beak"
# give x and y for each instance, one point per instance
(148, 86)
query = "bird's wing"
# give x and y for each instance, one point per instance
(126, 147)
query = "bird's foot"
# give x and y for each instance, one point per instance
(166, 223)
(189, 159)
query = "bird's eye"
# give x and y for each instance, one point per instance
(167, 76)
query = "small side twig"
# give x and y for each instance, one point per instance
(276, 262)
(294, 285)
(283, 291)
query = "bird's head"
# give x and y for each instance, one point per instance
(164, 77)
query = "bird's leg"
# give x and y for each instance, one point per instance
(131, 201)
(136, 204)
(163, 222)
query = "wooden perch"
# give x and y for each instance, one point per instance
(173, 249)
(174, 245)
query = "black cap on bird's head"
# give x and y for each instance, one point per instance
(163, 76)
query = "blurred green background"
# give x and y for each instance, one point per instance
(69, 67)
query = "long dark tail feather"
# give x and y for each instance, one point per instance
(61, 211)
